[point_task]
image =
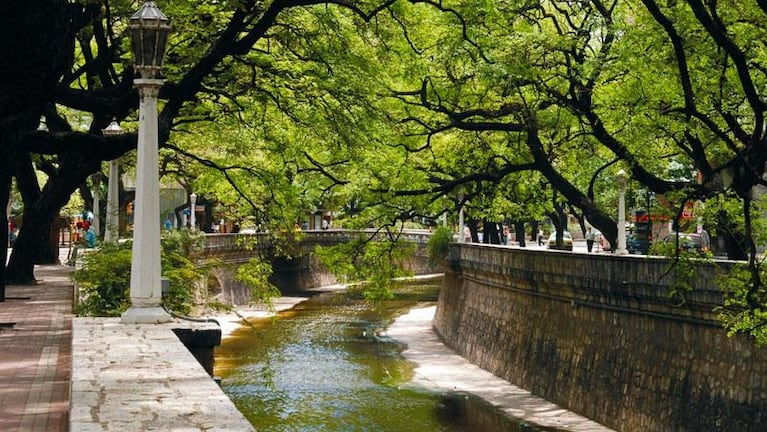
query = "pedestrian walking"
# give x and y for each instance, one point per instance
(589, 239)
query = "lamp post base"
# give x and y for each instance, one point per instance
(145, 315)
(621, 252)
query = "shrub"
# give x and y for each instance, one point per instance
(439, 245)
(104, 277)
(104, 280)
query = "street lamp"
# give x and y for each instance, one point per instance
(149, 30)
(621, 179)
(192, 216)
(96, 180)
(460, 218)
(111, 232)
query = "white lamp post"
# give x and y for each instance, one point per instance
(111, 232)
(621, 179)
(192, 217)
(96, 179)
(149, 34)
(461, 195)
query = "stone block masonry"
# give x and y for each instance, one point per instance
(599, 335)
(131, 377)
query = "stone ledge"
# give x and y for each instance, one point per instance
(140, 377)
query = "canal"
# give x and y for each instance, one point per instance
(328, 365)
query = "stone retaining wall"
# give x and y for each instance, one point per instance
(599, 335)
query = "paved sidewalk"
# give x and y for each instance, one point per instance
(35, 353)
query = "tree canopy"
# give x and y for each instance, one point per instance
(395, 109)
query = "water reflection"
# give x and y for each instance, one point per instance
(327, 365)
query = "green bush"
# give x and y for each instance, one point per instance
(104, 280)
(104, 277)
(439, 245)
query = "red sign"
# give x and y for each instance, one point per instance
(689, 211)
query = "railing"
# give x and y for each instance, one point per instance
(242, 241)
(226, 242)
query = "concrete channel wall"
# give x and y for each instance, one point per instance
(600, 335)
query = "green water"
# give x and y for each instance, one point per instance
(327, 365)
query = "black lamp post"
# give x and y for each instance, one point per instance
(149, 35)
(149, 29)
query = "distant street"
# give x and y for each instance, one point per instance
(579, 246)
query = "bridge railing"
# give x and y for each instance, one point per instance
(226, 242)
(215, 243)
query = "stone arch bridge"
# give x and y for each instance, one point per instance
(295, 269)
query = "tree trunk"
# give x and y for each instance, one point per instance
(11, 164)
(519, 228)
(734, 242)
(5, 192)
(559, 219)
(33, 245)
(594, 214)
(492, 235)
(38, 42)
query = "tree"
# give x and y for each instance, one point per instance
(74, 55)
(390, 109)
(637, 84)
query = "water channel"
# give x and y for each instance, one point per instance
(327, 365)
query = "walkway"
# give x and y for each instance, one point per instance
(35, 359)
(141, 377)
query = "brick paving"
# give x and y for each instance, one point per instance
(35, 353)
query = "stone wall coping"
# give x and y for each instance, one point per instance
(140, 377)
(625, 283)
(217, 242)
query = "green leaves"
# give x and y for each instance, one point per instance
(439, 245)
(512, 108)
(255, 273)
(743, 310)
(104, 280)
(104, 277)
(372, 263)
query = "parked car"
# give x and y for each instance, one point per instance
(636, 244)
(567, 241)
(688, 242)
